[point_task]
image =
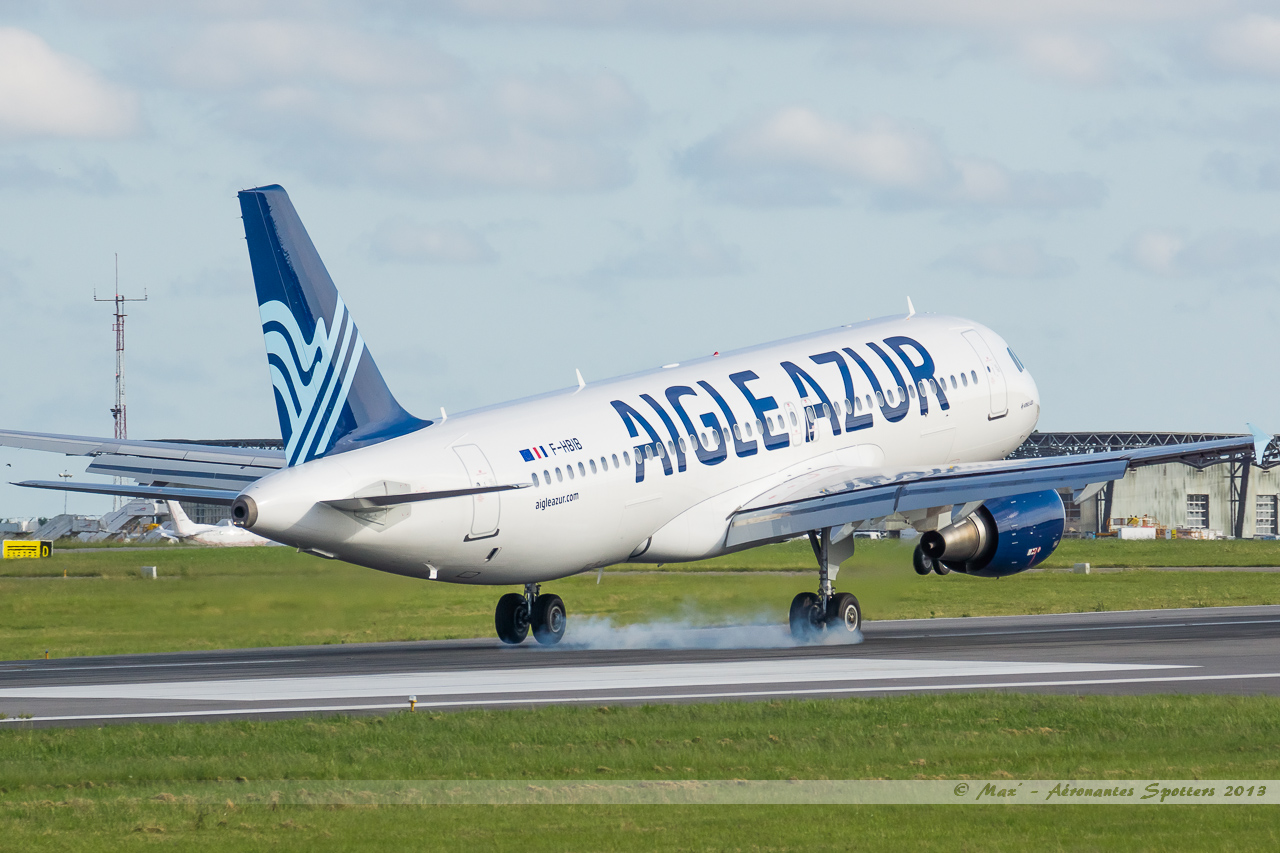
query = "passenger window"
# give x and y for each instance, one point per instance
(535, 479)
(593, 465)
(911, 391)
(746, 427)
(604, 465)
(684, 448)
(759, 427)
(933, 386)
(582, 469)
(794, 420)
(869, 407)
(857, 404)
(559, 476)
(953, 382)
(671, 448)
(888, 395)
(880, 398)
(974, 374)
(568, 469)
(737, 432)
(626, 458)
(546, 475)
(964, 380)
(615, 460)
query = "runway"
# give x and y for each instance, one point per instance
(1234, 650)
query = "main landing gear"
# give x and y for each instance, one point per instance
(518, 614)
(827, 613)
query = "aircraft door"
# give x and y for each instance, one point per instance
(485, 508)
(996, 383)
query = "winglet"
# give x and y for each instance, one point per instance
(911, 309)
(582, 383)
(1260, 441)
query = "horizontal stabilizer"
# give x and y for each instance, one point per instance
(380, 501)
(222, 497)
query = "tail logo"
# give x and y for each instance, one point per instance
(312, 378)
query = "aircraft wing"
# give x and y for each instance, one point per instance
(835, 496)
(158, 463)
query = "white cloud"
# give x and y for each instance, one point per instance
(1023, 259)
(44, 93)
(693, 251)
(1169, 253)
(348, 105)
(442, 242)
(796, 156)
(1250, 44)
(1066, 57)
(266, 53)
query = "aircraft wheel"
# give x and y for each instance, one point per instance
(939, 568)
(806, 617)
(511, 618)
(549, 619)
(922, 564)
(844, 615)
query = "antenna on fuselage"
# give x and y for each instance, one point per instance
(582, 383)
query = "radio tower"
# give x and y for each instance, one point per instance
(118, 411)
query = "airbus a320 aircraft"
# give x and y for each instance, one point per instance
(815, 435)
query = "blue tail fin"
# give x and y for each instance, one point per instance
(329, 393)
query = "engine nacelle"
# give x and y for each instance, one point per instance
(1002, 537)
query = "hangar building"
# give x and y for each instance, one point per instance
(1225, 496)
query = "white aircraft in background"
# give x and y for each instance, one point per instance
(223, 534)
(908, 416)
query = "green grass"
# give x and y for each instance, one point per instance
(89, 789)
(1102, 553)
(208, 598)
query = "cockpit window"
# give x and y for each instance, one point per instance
(1016, 362)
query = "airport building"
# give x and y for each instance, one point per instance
(1215, 497)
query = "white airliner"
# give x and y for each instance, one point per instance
(909, 416)
(223, 535)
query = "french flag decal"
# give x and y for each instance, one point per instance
(526, 455)
(533, 453)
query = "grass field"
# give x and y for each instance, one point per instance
(92, 789)
(207, 598)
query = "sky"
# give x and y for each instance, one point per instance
(509, 190)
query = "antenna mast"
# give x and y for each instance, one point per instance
(118, 412)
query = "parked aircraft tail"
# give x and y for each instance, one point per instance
(329, 394)
(182, 524)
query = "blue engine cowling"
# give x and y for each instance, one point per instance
(1002, 537)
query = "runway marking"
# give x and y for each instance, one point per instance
(659, 697)
(55, 669)
(561, 678)
(1011, 633)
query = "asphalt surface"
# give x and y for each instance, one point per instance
(1232, 650)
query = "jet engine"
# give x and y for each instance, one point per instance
(1002, 537)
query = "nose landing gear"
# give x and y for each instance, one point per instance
(828, 612)
(516, 615)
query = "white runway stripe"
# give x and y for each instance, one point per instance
(562, 679)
